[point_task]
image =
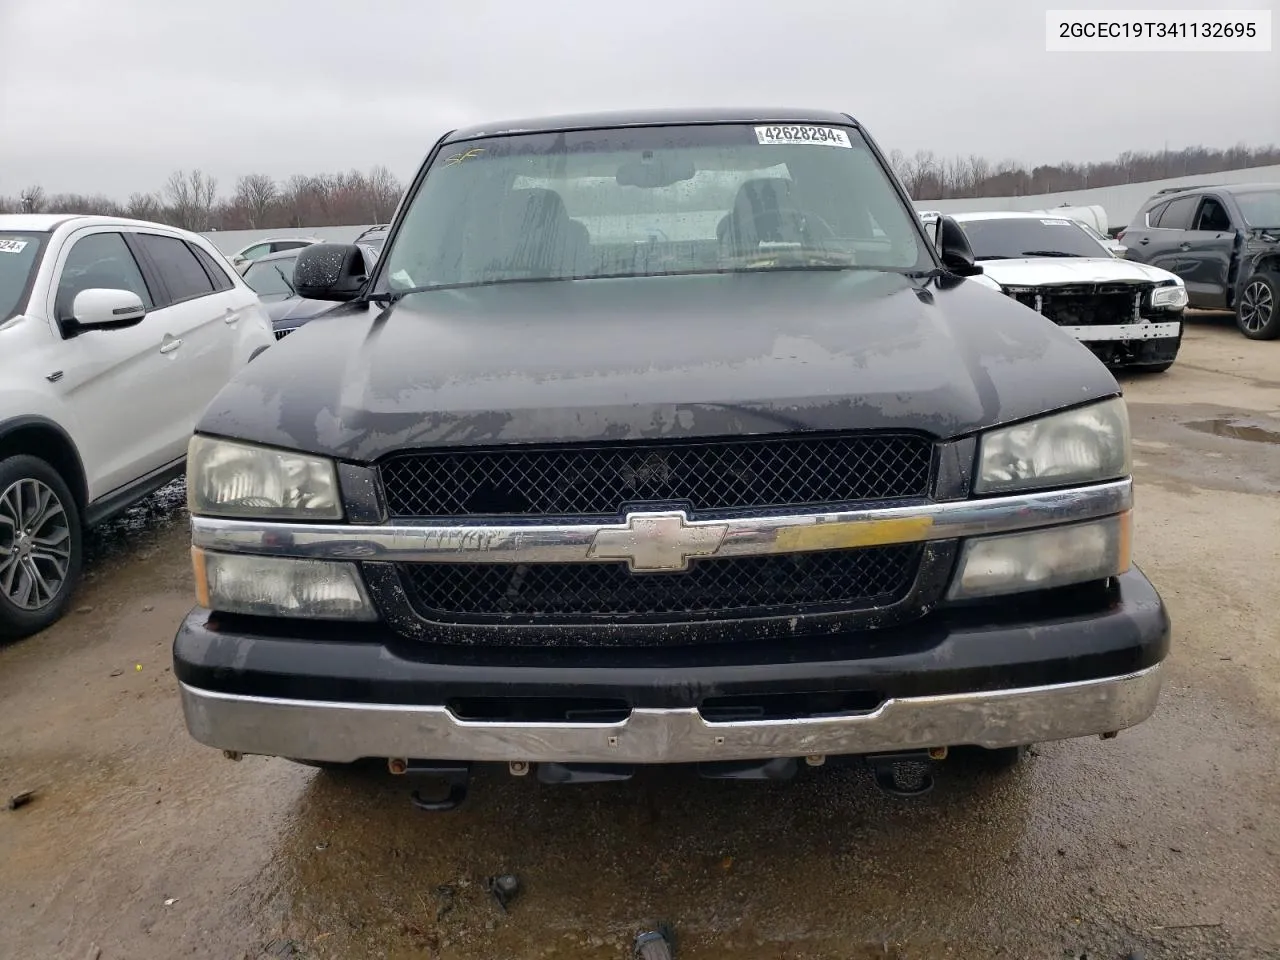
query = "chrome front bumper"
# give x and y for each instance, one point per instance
(343, 732)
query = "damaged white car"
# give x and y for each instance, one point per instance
(1129, 314)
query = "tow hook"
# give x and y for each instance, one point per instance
(557, 773)
(453, 776)
(656, 944)
(779, 768)
(906, 774)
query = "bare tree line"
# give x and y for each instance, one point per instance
(190, 199)
(928, 176)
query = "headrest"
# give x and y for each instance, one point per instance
(536, 204)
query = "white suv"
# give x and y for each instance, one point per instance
(242, 259)
(114, 336)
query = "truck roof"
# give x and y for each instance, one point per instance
(645, 118)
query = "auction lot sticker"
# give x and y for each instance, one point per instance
(823, 136)
(12, 246)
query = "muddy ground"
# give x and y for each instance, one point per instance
(1164, 842)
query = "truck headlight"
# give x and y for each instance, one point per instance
(227, 479)
(1170, 297)
(1043, 559)
(280, 586)
(1086, 445)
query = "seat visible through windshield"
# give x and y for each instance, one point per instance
(650, 201)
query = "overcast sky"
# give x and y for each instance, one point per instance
(112, 95)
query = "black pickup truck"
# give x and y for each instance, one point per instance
(1224, 241)
(663, 439)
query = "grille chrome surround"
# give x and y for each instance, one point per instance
(869, 525)
(706, 475)
(394, 556)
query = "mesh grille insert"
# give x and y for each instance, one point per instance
(550, 593)
(709, 475)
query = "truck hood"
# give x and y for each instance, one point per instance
(657, 357)
(1057, 271)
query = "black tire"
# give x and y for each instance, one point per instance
(1003, 758)
(1258, 312)
(25, 611)
(321, 764)
(369, 765)
(994, 761)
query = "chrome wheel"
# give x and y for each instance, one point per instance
(1257, 306)
(35, 544)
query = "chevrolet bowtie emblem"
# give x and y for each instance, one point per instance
(658, 542)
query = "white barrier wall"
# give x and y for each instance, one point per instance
(229, 241)
(1120, 203)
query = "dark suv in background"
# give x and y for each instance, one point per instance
(1224, 242)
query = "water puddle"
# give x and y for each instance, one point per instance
(138, 527)
(1236, 429)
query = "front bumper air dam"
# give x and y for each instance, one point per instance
(991, 685)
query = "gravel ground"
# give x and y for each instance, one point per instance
(1163, 843)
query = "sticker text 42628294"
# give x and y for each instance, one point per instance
(822, 136)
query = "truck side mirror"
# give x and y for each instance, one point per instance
(957, 255)
(330, 271)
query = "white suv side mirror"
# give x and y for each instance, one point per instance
(100, 307)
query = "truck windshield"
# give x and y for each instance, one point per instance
(1012, 238)
(1260, 208)
(652, 201)
(19, 257)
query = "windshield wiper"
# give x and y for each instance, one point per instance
(393, 296)
(292, 292)
(934, 273)
(794, 258)
(390, 297)
(1048, 253)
